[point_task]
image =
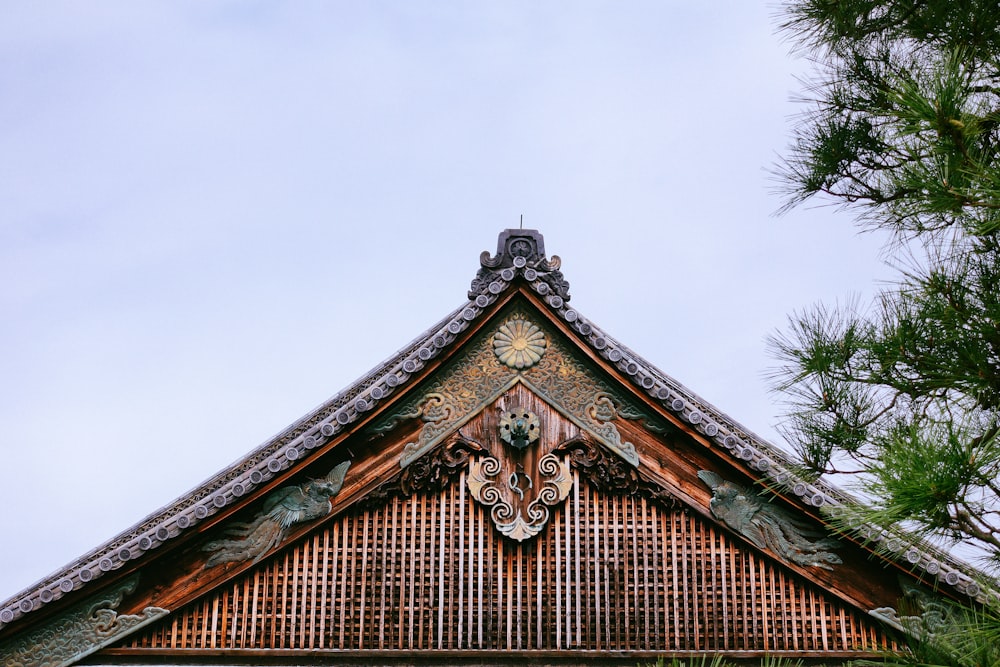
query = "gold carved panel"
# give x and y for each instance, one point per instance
(518, 348)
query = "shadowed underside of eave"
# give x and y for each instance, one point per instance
(429, 575)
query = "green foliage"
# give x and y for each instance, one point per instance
(903, 128)
(959, 637)
(908, 393)
(718, 661)
(903, 112)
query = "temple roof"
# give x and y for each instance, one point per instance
(519, 262)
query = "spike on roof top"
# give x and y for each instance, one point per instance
(519, 250)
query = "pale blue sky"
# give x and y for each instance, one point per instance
(218, 214)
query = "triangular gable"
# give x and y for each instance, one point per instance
(649, 425)
(610, 571)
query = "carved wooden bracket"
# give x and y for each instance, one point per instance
(611, 474)
(430, 473)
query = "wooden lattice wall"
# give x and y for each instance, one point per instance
(431, 572)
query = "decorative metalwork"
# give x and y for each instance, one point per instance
(84, 629)
(282, 509)
(768, 526)
(507, 499)
(519, 427)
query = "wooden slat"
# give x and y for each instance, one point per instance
(481, 593)
(610, 573)
(593, 576)
(567, 559)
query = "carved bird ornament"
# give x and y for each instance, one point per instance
(768, 526)
(282, 509)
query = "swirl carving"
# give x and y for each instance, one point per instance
(490, 466)
(558, 481)
(82, 630)
(507, 501)
(431, 473)
(502, 512)
(490, 495)
(549, 466)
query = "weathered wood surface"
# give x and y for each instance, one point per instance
(430, 572)
(614, 569)
(670, 461)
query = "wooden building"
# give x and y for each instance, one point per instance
(514, 486)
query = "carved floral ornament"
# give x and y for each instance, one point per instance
(519, 343)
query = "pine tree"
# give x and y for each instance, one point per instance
(903, 128)
(903, 124)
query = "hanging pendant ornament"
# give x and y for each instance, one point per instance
(519, 427)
